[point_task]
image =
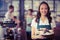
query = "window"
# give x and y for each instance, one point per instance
(15, 3)
(28, 4)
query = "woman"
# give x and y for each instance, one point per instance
(29, 18)
(17, 27)
(43, 21)
(9, 14)
(17, 21)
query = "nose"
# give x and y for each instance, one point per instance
(44, 11)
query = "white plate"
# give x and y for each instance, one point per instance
(47, 33)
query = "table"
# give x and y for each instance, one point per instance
(10, 24)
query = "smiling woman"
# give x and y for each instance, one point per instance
(43, 22)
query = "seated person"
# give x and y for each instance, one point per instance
(9, 13)
(9, 34)
(17, 21)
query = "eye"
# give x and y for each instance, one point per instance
(41, 8)
(46, 8)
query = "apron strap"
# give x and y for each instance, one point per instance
(38, 27)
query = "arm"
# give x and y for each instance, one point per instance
(18, 23)
(6, 16)
(53, 24)
(33, 29)
(32, 32)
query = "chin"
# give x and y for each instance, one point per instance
(44, 14)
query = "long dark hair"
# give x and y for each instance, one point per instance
(47, 15)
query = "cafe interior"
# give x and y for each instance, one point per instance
(20, 10)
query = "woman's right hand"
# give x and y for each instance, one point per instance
(43, 29)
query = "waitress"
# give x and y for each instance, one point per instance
(43, 21)
(28, 18)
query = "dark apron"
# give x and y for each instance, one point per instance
(43, 26)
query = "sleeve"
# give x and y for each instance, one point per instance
(33, 29)
(33, 24)
(53, 24)
(6, 16)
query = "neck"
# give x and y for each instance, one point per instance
(30, 14)
(9, 12)
(43, 17)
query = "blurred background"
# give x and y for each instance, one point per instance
(21, 7)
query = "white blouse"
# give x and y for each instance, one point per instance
(8, 16)
(34, 23)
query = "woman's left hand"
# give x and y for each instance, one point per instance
(44, 29)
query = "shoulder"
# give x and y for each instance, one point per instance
(53, 24)
(7, 13)
(25, 15)
(34, 20)
(53, 20)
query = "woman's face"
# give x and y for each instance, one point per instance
(43, 9)
(11, 10)
(29, 12)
